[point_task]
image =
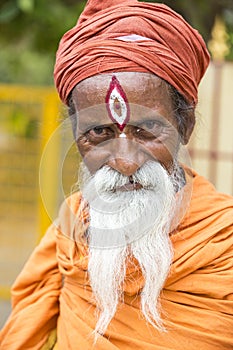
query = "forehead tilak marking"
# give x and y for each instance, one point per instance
(117, 104)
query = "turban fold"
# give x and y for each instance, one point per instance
(127, 35)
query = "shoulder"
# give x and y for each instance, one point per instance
(73, 215)
(206, 202)
(209, 217)
(70, 205)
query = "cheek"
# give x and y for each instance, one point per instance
(160, 153)
(83, 146)
(164, 153)
(93, 156)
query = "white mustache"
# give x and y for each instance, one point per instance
(108, 180)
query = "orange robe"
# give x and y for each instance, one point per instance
(197, 299)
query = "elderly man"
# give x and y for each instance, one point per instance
(141, 257)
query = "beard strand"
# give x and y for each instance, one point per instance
(107, 293)
(129, 224)
(154, 257)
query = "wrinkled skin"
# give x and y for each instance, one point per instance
(150, 134)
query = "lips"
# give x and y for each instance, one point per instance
(130, 186)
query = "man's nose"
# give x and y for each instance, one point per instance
(127, 156)
(123, 166)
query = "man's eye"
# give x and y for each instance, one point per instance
(98, 130)
(99, 134)
(150, 128)
(149, 124)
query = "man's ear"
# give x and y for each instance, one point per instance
(188, 125)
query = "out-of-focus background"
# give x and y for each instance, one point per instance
(30, 112)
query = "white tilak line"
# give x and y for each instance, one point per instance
(132, 37)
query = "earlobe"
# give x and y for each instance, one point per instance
(188, 127)
(188, 134)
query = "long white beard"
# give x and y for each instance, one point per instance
(125, 224)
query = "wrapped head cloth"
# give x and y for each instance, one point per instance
(127, 35)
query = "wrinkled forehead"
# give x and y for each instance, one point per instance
(140, 88)
(122, 97)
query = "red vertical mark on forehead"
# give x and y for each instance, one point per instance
(117, 104)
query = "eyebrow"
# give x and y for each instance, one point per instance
(153, 116)
(88, 126)
(85, 125)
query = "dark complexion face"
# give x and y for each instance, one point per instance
(150, 133)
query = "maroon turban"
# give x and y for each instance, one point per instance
(127, 35)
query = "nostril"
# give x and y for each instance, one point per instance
(131, 180)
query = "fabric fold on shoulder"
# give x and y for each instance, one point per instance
(35, 299)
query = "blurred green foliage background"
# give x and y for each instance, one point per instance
(31, 29)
